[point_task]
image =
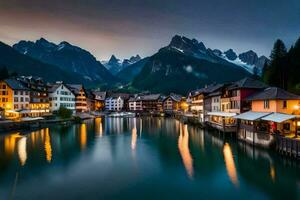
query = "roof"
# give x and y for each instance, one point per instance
(53, 88)
(116, 95)
(250, 115)
(278, 117)
(222, 114)
(174, 97)
(75, 88)
(247, 83)
(207, 90)
(99, 95)
(15, 84)
(273, 93)
(149, 97)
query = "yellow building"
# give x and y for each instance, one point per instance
(274, 112)
(14, 98)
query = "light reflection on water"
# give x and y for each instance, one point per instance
(138, 157)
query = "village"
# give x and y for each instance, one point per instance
(256, 113)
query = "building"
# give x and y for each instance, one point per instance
(135, 104)
(61, 96)
(80, 97)
(172, 103)
(238, 93)
(201, 101)
(116, 101)
(14, 99)
(274, 111)
(39, 100)
(233, 101)
(99, 100)
(151, 103)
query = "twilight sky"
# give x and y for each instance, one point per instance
(128, 27)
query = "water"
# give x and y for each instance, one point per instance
(140, 158)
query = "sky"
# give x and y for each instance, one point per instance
(129, 27)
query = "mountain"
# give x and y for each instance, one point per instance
(128, 73)
(67, 57)
(230, 54)
(247, 60)
(114, 65)
(183, 65)
(27, 66)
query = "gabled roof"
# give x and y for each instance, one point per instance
(207, 90)
(53, 88)
(273, 93)
(148, 97)
(247, 83)
(174, 97)
(15, 84)
(99, 95)
(75, 88)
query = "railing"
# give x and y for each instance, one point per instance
(288, 146)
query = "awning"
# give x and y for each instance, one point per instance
(222, 114)
(250, 115)
(278, 117)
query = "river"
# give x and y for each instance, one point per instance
(140, 158)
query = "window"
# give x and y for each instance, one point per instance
(286, 126)
(266, 104)
(284, 104)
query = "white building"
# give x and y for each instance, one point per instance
(216, 103)
(114, 103)
(61, 96)
(135, 104)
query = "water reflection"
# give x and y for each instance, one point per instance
(183, 146)
(133, 135)
(48, 148)
(230, 165)
(22, 152)
(98, 127)
(146, 151)
(83, 136)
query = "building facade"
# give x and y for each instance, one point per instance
(78, 90)
(14, 99)
(61, 96)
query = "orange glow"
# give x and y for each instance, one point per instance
(22, 150)
(230, 166)
(133, 138)
(83, 136)
(10, 143)
(272, 173)
(98, 127)
(47, 146)
(183, 146)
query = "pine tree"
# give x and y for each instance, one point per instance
(276, 74)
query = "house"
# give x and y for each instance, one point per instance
(61, 96)
(116, 101)
(135, 103)
(99, 100)
(274, 111)
(201, 102)
(172, 103)
(152, 103)
(39, 100)
(238, 93)
(80, 97)
(233, 101)
(14, 99)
